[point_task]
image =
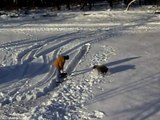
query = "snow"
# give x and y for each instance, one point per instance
(127, 42)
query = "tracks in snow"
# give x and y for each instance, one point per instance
(35, 81)
(34, 71)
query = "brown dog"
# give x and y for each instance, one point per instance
(101, 69)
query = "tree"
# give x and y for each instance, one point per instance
(91, 2)
(110, 3)
(130, 4)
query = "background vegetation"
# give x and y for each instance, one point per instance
(17, 4)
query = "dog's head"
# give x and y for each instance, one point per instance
(101, 68)
(95, 66)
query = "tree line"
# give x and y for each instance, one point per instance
(16, 4)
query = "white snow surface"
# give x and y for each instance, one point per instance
(127, 42)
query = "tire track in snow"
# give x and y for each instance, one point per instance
(20, 57)
(134, 85)
(28, 42)
(42, 47)
(49, 49)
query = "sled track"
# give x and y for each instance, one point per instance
(44, 52)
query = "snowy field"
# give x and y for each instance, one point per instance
(128, 43)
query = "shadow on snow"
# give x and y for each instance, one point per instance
(22, 71)
(113, 70)
(143, 111)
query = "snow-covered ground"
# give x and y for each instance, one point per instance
(126, 42)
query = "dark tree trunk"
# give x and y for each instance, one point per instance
(85, 4)
(58, 4)
(110, 3)
(68, 4)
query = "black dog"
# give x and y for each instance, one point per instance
(101, 69)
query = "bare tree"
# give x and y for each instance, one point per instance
(91, 2)
(130, 4)
(110, 3)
